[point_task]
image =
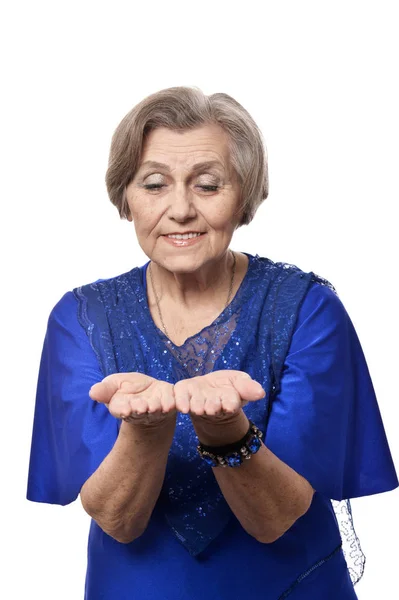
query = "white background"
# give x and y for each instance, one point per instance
(320, 79)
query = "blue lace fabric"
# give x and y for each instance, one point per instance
(116, 316)
(318, 415)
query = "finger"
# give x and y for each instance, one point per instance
(197, 403)
(182, 398)
(138, 405)
(168, 402)
(230, 402)
(213, 405)
(153, 403)
(124, 405)
(119, 406)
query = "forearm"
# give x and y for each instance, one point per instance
(264, 493)
(121, 494)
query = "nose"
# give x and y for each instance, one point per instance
(181, 204)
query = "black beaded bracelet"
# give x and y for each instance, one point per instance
(232, 455)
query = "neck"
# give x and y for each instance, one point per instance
(192, 290)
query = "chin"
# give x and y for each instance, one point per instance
(182, 264)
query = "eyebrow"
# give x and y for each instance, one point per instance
(197, 167)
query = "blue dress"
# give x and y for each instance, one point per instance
(324, 422)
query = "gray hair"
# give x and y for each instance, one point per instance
(184, 108)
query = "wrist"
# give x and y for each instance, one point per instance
(158, 430)
(217, 432)
(233, 454)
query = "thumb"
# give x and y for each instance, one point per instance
(105, 389)
(248, 388)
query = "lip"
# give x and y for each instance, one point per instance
(183, 232)
(183, 243)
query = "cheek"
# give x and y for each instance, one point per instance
(144, 216)
(224, 211)
(222, 218)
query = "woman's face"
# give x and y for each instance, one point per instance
(185, 184)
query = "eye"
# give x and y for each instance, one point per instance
(155, 181)
(209, 188)
(154, 186)
(208, 182)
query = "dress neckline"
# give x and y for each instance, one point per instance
(224, 315)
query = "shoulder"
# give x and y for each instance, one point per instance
(65, 308)
(284, 270)
(321, 300)
(322, 310)
(109, 281)
(319, 290)
(70, 311)
(68, 302)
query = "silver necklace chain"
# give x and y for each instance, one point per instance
(157, 299)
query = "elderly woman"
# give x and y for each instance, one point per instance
(212, 408)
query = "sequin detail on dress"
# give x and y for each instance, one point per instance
(252, 334)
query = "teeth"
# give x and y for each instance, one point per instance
(186, 236)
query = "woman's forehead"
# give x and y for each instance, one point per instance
(203, 147)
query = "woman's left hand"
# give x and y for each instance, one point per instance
(219, 395)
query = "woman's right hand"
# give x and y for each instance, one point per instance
(136, 398)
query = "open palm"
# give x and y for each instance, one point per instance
(218, 394)
(135, 397)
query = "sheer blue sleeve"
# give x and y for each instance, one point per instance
(325, 422)
(72, 434)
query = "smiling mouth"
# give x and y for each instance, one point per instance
(184, 236)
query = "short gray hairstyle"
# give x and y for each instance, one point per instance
(183, 108)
